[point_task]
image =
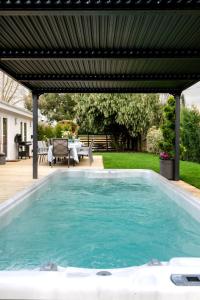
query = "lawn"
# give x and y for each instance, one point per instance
(189, 171)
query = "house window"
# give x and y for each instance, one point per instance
(21, 129)
(25, 132)
(5, 132)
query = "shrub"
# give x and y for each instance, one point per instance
(168, 128)
(154, 137)
(66, 126)
(190, 134)
(58, 130)
(45, 131)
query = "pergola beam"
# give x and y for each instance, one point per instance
(76, 53)
(104, 77)
(99, 5)
(40, 91)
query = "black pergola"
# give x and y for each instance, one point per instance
(100, 46)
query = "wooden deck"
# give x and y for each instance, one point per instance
(15, 176)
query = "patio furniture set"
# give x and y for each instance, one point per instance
(64, 150)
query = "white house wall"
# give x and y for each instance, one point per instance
(13, 128)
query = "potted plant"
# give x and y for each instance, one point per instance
(168, 140)
(66, 134)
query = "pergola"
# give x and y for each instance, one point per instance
(101, 46)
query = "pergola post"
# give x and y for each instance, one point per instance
(177, 139)
(35, 135)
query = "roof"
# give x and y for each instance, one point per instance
(9, 108)
(101, 45)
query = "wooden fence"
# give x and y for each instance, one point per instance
(105, 142)
(101, 142)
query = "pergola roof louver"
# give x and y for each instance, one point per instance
(104, 46)
(101, 46)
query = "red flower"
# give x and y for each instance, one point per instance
(164, 155)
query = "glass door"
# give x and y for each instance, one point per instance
(5, 135)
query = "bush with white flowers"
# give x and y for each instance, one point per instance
(154, 137)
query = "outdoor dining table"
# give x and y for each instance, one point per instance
(73, 146)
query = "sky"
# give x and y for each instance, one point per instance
(192, 95)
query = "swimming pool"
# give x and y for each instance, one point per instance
(102, 220)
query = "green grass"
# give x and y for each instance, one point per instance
(189, 171)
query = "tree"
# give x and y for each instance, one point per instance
(55, 107)
(122, 115)
(28, 102)
(10, 90)
(190, 133)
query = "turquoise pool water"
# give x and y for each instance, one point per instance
(98, 223)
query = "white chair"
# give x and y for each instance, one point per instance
(42, 151)
(87, 151)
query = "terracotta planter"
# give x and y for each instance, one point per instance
(167, 168)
